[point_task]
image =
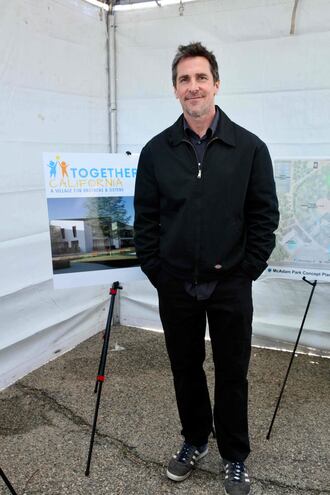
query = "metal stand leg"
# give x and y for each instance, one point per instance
(313, 284)
(101, 370)
(7, 482)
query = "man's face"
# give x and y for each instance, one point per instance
(195, 87)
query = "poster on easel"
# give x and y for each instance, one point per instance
(303, 237)
(91, 216)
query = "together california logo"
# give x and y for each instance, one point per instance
(65, 177)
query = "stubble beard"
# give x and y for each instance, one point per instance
(197, 114)
(194, 114)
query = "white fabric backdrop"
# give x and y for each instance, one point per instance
(53, 97)
(278, 311)
(276, 85)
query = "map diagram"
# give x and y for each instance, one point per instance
(303, 237)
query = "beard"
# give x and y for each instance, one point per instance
(195, 114)
(199, 112)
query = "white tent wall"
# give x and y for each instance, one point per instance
(53, 97)
(276, 85)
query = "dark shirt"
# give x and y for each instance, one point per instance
(200, 143)
(205, 290)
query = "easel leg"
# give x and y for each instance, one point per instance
(101, 370)
(7, 482)
(293, 354)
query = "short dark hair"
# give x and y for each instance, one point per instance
(195, 49)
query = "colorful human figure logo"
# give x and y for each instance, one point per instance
(52, 165)
(64, 166)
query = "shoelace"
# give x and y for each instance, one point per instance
(186, 453)
(235, 471)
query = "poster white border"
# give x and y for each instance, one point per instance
(104, 175)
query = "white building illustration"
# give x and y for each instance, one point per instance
(88, 235)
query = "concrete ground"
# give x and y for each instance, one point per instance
(45, 424)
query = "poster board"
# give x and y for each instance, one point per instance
(303, 237)
(91, 215)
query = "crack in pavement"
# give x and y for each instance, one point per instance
(127, 449)
(267, 483)
(42, 395)
(130, 451)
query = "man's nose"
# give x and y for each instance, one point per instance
(193, 85)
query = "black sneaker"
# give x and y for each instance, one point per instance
(184, 461)
(237, 480)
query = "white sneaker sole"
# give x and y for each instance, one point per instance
(174, 477)
(226, 493)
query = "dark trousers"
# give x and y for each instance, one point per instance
(229, 312)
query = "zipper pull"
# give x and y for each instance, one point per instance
(199, 175)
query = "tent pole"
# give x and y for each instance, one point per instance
(112, 70)
(293, 17)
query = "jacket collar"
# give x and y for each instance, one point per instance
(224, 131)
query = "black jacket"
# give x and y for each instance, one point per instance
(201, 223)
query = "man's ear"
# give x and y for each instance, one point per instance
(175, 92)
(217, 87)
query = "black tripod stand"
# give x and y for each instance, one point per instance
(7, 482)
(313, 284)
(101, 371)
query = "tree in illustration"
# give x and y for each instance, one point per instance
(105, 211)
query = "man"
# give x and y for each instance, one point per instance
(205, 215)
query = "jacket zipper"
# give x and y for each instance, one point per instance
(199, 164)
(199, 176)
